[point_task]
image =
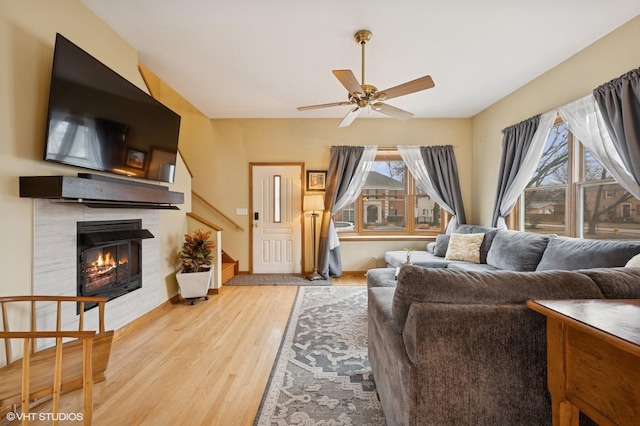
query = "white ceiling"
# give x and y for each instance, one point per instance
(257, 58)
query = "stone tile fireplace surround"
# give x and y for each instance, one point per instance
(54, 261)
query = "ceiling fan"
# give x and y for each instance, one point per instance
(365, 95)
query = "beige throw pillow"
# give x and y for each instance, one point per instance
(634, 262)
(465, 247)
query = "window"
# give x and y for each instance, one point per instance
(391, 203)
(572, 194)
(545, 197)
(70, 136)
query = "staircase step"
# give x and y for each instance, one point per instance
(229, 270)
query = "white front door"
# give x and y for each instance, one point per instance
(276, 195)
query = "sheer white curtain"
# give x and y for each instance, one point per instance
(93, 144)
(412, 157)
(528, 167)
(353, 190)
(74, 136)
(585, 121)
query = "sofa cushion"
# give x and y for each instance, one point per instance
(469, 266)
(476, 365)
(448, 286)
(431, 247)
(465, 247)
(381, 277)
(616, 283)
(517, 250)
(489, 234)
(576, 253)
(442, 243)
(634, 262)
(466, 228)
(388, 358)
(380, 304)
(396, 258)
(436, 262)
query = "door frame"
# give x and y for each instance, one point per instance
(303, 232)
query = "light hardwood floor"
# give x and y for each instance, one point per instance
(206, 364)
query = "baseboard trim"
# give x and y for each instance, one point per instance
(141, 320)
(354, 273)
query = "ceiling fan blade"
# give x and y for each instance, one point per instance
(412, 86)
(351, 115)
(305, 108)
(392, 111)
(349, 81)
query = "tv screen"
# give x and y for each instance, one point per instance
(99, 120)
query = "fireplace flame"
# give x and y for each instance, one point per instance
(106, 260)
(105, 263)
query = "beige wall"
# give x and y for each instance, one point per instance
(27, 36)
(608, 58)
(219, 151)
(223, 167)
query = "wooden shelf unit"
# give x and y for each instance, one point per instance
(100, 191)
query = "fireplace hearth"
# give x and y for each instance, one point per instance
(110, 257)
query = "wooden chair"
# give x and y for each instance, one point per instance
(76, 360)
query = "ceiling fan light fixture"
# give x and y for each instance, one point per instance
(362, 36)
(351, 115)
(369, 90)
(365, 95)
(362, 103)
(380, 96)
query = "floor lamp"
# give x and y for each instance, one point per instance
(313, 204)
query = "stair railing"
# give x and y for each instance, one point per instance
(200, 197)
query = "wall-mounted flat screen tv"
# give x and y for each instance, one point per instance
(98, 120)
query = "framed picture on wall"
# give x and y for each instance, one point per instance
(316, 180)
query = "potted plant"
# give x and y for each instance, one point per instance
(194, 276)
(409, 253)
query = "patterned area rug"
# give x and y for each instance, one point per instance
(322, 375)
(275, 279)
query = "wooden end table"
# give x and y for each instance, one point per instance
(593, 359)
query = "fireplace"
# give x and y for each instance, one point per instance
(110, 258)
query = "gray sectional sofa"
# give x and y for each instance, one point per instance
(452, 342)
(522, 251)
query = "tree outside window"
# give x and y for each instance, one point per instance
(572, 194)
(391, 203)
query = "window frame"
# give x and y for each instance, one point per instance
(410, 232)
(575, 189)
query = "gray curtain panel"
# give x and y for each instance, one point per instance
(619, 103)
(516, 142)
(442, 167)
(343, 163)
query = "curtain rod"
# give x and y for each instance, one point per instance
(393, 149)
(582, 97)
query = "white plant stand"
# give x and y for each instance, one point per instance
(195, 285)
